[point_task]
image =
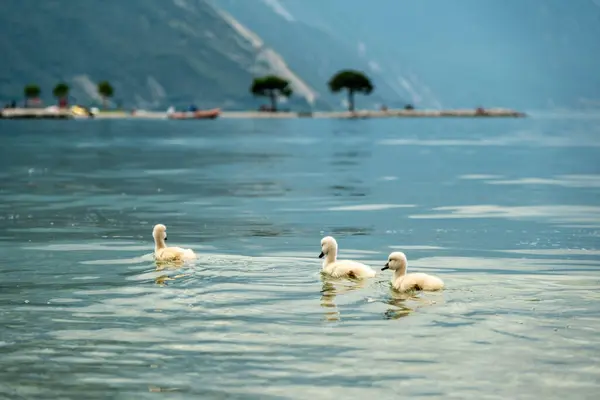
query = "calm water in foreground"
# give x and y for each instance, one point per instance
(505, 211)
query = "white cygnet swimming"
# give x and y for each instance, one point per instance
(341, 268)
(164, 253)
(404, 282)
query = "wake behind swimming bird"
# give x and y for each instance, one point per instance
(164, 253)
(341, 268)
(404, 282)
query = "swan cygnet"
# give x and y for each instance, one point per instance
(404, 282)
(164, 253)
(341, 268)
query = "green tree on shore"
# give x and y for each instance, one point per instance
(353, 81)
(31, 92)
(271, 86)
(106, 91)
(61, 92)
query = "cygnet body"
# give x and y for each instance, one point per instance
(404, 282)
(164, 253)
(341, 268)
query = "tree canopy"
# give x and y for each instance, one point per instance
(105, 89)
(61, 90)
(353, 81)
(271, 86)
(32, 91)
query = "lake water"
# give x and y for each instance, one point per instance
(506, 212)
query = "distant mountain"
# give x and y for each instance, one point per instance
(313, 52)
(522, 54)
(513, 53)
(154, 52)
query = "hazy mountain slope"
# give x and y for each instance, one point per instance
(312, 51)
(512, 53)
(154, 52)
(523, 54)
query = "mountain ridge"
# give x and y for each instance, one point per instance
(155, 53)
(514, 53)
(158, 53)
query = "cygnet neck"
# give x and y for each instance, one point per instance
(399, 273)
(159, 243)
(331, 256)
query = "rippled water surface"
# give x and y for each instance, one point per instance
(505, 211)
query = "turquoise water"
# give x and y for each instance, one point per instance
(505, 211)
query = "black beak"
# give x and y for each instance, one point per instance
(387, 266)
(165, 238)
(321, 255)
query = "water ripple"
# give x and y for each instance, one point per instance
(85, 312)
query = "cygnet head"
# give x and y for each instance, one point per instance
(159, 233)
(396, 262)
(328, 246)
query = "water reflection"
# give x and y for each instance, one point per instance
(85, 312)
(348, 190)
(400, 300)
(173, 266)
(353, 154)
(350, 157)
(400, 310)
(162, 280)
(331, 288)
(351, 231)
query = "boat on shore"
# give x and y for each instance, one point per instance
(81, 112)
(198, 114)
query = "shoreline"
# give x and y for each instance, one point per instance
(31, 113)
